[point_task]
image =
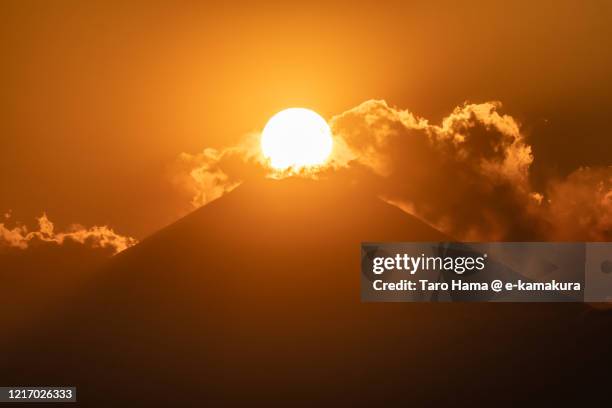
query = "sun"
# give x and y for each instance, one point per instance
(296, 138)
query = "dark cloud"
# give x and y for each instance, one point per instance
(467, 176)
(579, 207)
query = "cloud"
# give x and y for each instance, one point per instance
(468, 176)
(203, 177)
(208, 175)
(95, 237)
(580, 206)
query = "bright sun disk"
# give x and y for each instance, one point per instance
(296, 137)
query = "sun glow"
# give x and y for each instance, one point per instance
(296, 138)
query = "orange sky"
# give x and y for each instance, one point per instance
(100, 98)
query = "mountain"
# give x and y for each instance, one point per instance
(256, 297)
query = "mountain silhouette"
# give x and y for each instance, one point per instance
(255, 297)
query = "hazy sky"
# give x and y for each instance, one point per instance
(99, 98)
